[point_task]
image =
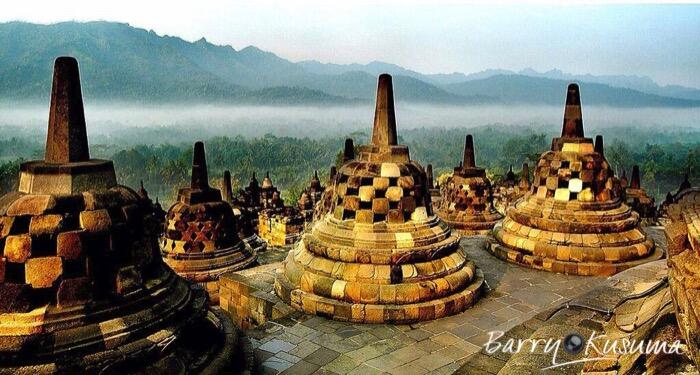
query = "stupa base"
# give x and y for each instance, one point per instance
(205, 270)
(568, 267)
(375, 313)
(477, 226)
(175, 348)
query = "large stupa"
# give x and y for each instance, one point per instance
(574, 219)
(83, 288)
(201, 241)
(381, 255)
(467, 199)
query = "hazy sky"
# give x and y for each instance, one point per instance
(661, 41)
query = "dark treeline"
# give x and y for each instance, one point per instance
(663, 156)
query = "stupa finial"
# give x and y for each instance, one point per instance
(349, 150)
(384, 131)
(429, 176)
(200, 175)
(227, 190)
(66, 140)
(525, 174)
(468, 158)
(573, 120)
(635, 182)
(598, 147)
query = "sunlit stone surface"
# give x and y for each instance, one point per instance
(381, 255)
(682, 228)
(82, 285)
(201, 241)
(573, 220)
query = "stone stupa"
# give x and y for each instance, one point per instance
(382, 256)
(574, 220)
(244, 219)
(83, 288)
(467, 199)
(201, 241)
(508, 190)
(638, 199)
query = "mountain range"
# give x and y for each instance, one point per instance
(120, 62)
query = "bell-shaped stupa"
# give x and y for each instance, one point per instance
(82, 287)
(507, 191)
(574, 220)
(637, 198)
(467, 199)
(201, 241)
(244, 218)
(381, 255)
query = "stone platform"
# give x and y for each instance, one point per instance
(634, 304)
(298, 343)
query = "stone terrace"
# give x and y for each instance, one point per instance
(304, 344)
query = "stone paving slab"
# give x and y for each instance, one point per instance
(315, 345)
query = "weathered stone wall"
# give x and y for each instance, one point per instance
(248, 296)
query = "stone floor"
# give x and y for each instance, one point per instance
(312, 345)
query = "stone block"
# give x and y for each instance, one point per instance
(69, 245)
(42, 272)
(366, 193)
(394, 193)
(18, 248)
(45, 225)
(95, 221)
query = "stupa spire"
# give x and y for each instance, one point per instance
(384, 130)
(429, 175)
(598, 147)
(66, 140)
(634, 182)
(573, 120)
(525, 174)
(226, 189)
(468, 158)
(200, 175)
(349, 150)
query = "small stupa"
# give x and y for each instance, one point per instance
(574, 220)
(382, 255)
(201, 241)
(507, 191)
(637, 198)
(310, 197)
(244, 221)
(83, 288)
(467, 198)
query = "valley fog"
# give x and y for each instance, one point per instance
(134, 124)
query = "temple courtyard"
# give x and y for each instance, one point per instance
(516, 298)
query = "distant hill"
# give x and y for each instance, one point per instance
(120, 62)
(534, 90)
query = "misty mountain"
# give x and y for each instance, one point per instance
(120, 62)
(643, 84)
(535, 90)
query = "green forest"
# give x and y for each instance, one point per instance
(663, 156)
